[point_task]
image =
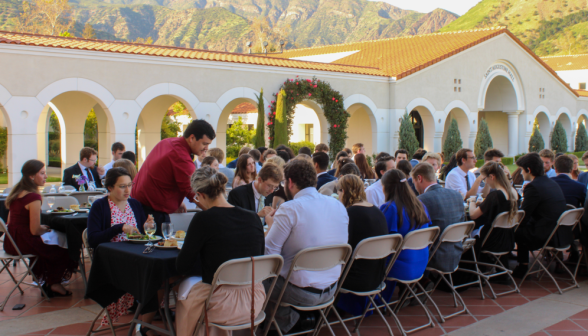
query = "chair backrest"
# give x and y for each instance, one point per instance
(570, 207)
(421, 238)
(455, 233)
(570, 217)
(376, 248)
(68, 187)
(82, 196)
(87, 244)
(181, 221)
(60, 201)
(238, 271)
(7, 190)
(321, 258)
(501, 221)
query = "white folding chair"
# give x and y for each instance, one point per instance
(374, 248)
(82, 196)
(567, 219)
(239, 272)
(5, 260)
(314, 259)
(181, 221)
(497, 268)
(60, 201)
(414, 240)
(453, 233)
(7, 190)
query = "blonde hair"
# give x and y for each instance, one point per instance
(431, 155)
(278, 161)
(217, 153)
(353, 190)
(208, 181)
(128, 165)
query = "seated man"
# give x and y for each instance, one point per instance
(375, 193)
(322, 147)
(118, 149)
(445, 207)
(547, 157)
(543, 203)
(462, 179)
(434, 160)
(417, 157)
(84, 167)
(321, 164)
(258, 196)
(256, 155)
(400, 154)
(219, 155)
(583, 177)
(358, 148)
(243, 150)
(309, 219)
(574, 192)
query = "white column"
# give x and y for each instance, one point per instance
(438, 142)
(513, 133)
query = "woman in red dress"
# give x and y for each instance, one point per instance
(24, 225)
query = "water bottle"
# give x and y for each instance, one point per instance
(52, 190)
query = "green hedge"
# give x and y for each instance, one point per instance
(479, 163)
(295, 146)
(507, 161)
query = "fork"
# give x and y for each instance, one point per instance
(149, 249)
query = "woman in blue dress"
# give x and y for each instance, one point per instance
(404, 213)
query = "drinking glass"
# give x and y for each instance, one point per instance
(168, 230)
(61, 188)
(51, 202)
(91, 200)
(150, 228)
(92, 186)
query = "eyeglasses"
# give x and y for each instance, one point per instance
(471, 157)
(124, 186)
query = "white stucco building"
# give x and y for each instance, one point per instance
(573, 69)
(464, 75)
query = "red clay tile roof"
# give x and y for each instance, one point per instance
(244, 108)
(567, 62)
(167, 51)
(582, 93)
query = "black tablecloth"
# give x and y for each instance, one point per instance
(3, 210)
(72, 226)
(120, 268)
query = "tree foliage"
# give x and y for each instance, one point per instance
(559, 139)
(453, 141)
(148, 40)
(407, 138)
(281, 127)
(483, 139)
(238, 134)
(49, 17)
(536, 142)
(169, 128)
(581, 139)
(260, 130)
(88, 32)
(91, 130)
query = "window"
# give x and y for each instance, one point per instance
(582, 86)
(309, 132)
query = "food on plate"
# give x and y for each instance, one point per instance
(75, 207)
(137, 236)
(180, 234)
(170, 243)
(85, 205)
(61, 209)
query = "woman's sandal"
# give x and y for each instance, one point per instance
(51, 293)
(144, 330)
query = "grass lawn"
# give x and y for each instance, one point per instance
(4, 179)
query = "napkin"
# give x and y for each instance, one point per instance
(55, 238)
(186, 286)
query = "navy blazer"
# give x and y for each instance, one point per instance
(324, 179)
(244, 197)
(574, 192)
(68, 174)
(583, 178)
(100, 229)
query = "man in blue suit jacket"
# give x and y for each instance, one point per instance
(574, 192)
(321, 164)
(583, 177)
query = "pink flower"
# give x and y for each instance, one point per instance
(296, 83)
(308, 80)
(297, 76)
(310, 94)
(335, 126)
(273, 101)
(333, 98)
(315, 85)
(336, 101)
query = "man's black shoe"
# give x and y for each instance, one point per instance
(305, 322)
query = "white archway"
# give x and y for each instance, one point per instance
(506, 70)
(432, 134)
(467, 128)
(541, 114)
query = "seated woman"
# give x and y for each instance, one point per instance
(280, 194)
(366, 171)
(210, 161)
(219, 233)
(503, 198)
(330, 188)
(365, 221)
(245, 172)
(404, 213)
(128, 165)
(24, 226)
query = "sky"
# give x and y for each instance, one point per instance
(459, 7)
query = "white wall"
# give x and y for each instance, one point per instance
(359, 130)
(305, 115)
(498, 126)
(574, 77)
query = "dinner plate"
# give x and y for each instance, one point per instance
(67, 211)
(166, 247)
(145, 241)
(180, 245)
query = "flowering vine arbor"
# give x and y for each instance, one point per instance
(298, 90)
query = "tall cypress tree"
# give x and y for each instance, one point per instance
(453, 141)
(408, 139)
(581, 139)
(483, 140)
(559, 139)
(281, 128)
(260, 130)
(536, 143)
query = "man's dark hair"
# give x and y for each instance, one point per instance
(492, 153)
(382, 165)
(87, 152)
(118, 146)
(112, 176)
(322, 159)
(284, 155)
(381, 155)
(533, 163)
(558, 154)
(418, 155)
(199, 128)
(350, 168)
(255, 154)
(262, 150)
(301, 172)
(305, 150)
(400, 151)
(129, 156)
(461, 155)
(564, 164)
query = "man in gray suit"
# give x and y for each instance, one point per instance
(445, 207)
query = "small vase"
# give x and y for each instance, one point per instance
(82, 188)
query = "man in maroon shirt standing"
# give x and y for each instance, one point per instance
(164, 178)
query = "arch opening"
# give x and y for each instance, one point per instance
(424, 127)
(542, 121)
(462, 122)
(360, 125)
(565, 121)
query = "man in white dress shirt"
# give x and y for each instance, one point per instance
(462, 179)
(375, 192)
(308, 219)
(117, 151)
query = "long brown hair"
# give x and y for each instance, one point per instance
(241, 170)
(342, 161)
(397, 190)
(353, 190)
(30, 168)
(366, 171)
(575, 173)
(497, 169)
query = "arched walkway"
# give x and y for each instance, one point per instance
(566, 122)
(544, 128)
(362, 128)
(462, 122)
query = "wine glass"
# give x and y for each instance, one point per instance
(168, 230)
(61, 188)
(51, 202)
(150, 228)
